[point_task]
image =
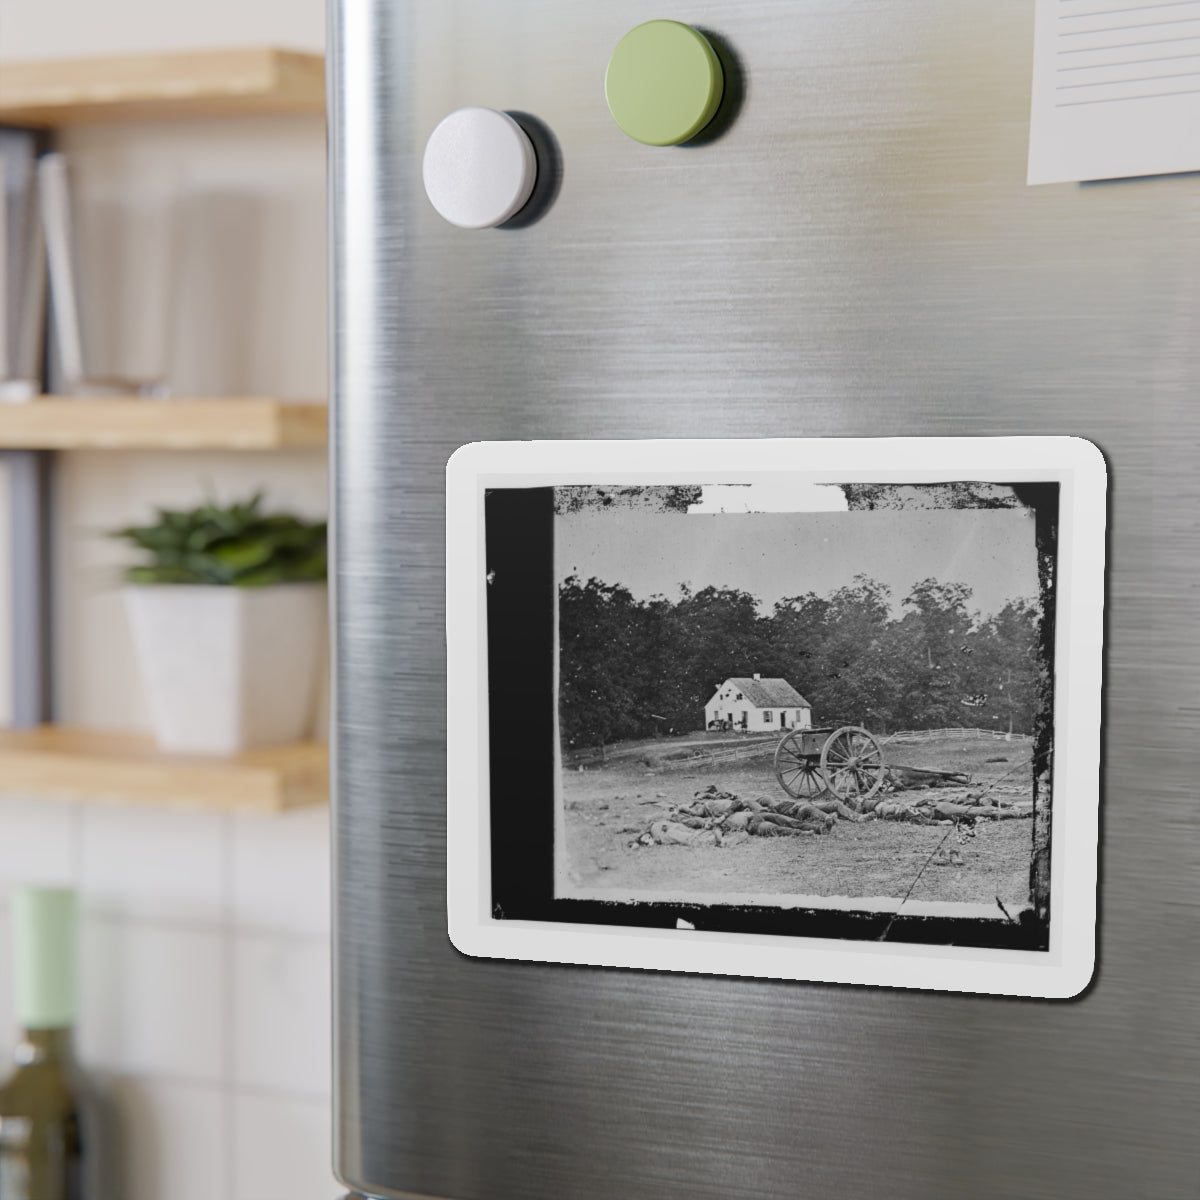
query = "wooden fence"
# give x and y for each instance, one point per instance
(925, 735)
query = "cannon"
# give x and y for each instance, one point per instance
(847, 762)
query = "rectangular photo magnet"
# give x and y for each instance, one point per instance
(805, 709)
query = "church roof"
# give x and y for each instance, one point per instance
(769, 693)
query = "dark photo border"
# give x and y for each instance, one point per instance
(522, 706)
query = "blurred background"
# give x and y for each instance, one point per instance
(205, 933)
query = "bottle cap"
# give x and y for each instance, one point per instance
(44, 928)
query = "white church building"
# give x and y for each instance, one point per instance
(757, 705)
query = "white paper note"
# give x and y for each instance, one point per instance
(1116, 89)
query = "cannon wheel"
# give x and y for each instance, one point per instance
(852, 764)
(799, 774)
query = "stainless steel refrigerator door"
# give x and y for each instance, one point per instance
(857, 254)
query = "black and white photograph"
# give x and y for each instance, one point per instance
(714, 711)
(800, 696)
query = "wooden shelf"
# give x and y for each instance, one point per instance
(215, 83)
(78, 764)
(228, 423)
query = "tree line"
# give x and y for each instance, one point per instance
(632, 668)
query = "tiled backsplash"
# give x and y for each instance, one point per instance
(205, 988)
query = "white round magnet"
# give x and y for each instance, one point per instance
(479, 168)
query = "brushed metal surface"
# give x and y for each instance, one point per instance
(858, 254)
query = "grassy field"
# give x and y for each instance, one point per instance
(605, 808)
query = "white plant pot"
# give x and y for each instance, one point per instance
(227, 668)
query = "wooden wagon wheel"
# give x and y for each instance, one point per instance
(852, 764)
(799, 774)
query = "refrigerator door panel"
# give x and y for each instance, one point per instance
(855, 254)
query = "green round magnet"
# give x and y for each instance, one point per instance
(664, 83)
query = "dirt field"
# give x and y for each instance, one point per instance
(607, 807)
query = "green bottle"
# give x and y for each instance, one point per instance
(42, 1139)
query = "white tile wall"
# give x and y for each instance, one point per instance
(281, 872)
(155, 864)
(281, 1015)
(205, 1004)
(38, 842)
(156, 1000)
(282, 1150)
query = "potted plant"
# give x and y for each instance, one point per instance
(228, 622)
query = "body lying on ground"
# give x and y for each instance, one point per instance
(714, 816)
(710, 803)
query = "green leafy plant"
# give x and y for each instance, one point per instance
(237, 546)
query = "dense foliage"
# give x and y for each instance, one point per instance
(238, 545)
(637, 668)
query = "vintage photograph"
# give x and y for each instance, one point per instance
(784, 695)
(787, 708)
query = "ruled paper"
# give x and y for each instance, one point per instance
(1116, 89)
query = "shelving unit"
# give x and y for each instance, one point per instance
(81, 764)
(37, 758)
(218, 83)
(225, 423)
